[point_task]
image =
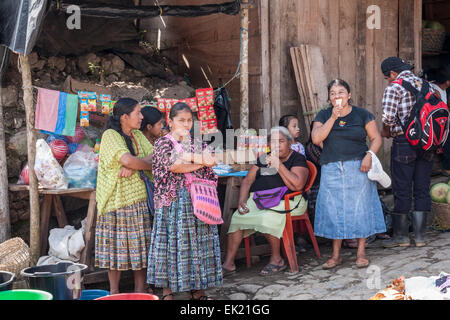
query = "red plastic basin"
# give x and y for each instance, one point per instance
(129, 296)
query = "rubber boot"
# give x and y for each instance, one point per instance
(400, 237)
(419, 222)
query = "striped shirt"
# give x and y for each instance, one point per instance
(398, 102)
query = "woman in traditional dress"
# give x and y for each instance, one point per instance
(123, 227)
(184, 252)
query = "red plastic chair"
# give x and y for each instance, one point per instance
(288, 233)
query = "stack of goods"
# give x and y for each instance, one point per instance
(165, 105)
(206, 114)
(394, 291)
(88, 103)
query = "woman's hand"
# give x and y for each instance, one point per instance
(209, 160)
(366, 163)
(273, 161)
(242, 208)
(125, 172)
(336, 112)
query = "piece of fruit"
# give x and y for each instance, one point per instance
(439, 192)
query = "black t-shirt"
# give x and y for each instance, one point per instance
(347, 138)
(268, 178)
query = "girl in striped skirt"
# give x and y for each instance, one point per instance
(184, 252)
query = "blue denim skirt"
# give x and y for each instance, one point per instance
(348, 205)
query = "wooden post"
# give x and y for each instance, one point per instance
(31, 144)
(244, 67)
(265, 63)
(5, 227)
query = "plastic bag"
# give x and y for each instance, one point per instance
(81, 169)
(376, 172)
(24, 176)
(66, 243)
(48, 170)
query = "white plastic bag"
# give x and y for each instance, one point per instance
(48, 171)
(81, 169)
(66, 243)
(376, 172)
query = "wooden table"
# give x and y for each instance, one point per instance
(52, 204)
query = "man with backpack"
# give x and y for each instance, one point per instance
(417, 121)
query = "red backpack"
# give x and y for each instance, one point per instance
(427, 126)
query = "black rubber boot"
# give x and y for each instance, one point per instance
(419, 222)
(400, 238)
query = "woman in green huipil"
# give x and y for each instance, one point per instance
(123, 227)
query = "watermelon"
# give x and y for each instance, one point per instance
(439, 192)
(435, 25)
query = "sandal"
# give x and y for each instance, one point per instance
(327, 265)
(271, 269)
(363, 264)
(167, 295)
(201, 298)
(226, 272)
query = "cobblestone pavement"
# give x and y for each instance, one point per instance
(345, 282)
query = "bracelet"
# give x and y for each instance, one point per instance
(371, 152)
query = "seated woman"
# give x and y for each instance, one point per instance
(284, 167)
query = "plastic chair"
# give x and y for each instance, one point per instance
(288, 235)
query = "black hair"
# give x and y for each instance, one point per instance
(177, 108)
(122, 106)
(151, 116)
(440, 76)
(285, 120)
(338, 82)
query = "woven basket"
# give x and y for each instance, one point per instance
(14, 256)
(433, 40)
(442, 212)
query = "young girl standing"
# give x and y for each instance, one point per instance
(184, 252)
(291, 123)
(152, 124)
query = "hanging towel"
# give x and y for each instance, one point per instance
(61, 121)
(71, 115)
(47, 109)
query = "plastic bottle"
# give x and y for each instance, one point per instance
(97, 146)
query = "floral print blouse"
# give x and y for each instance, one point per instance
(168, 183)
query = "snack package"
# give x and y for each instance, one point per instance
(84, 106)
(84, 119)
(111, 106)
(105, 100)
(48, 171)
(162, 105)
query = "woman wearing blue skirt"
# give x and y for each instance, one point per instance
(348, 206)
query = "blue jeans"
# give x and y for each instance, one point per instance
(411, 172)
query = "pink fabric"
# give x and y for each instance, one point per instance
(47, 109)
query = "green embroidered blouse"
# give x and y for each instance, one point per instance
(113, 192)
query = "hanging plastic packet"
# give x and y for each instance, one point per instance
(92, 101)
(105, 100)
(84, 119)
(111, 106)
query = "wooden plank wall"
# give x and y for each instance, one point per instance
(351, 51)
(207, 51)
